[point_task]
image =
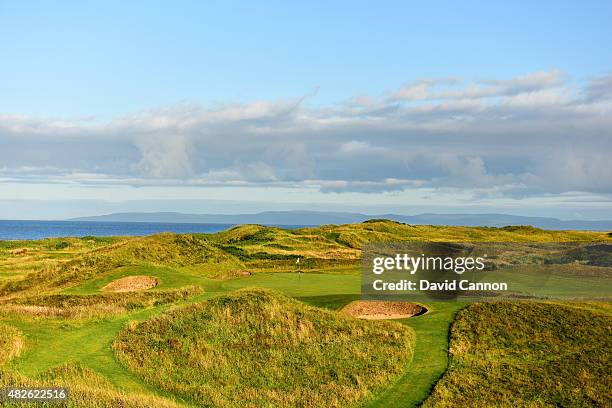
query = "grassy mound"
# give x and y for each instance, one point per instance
(166, 249)
(258, 348)
(527, 354)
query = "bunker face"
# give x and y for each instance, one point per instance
(379, 310)
(131, 284)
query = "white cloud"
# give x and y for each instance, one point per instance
(164, 156)
(448, 89)
(412, 92)
(532, 135)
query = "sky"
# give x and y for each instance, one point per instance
(220, 107)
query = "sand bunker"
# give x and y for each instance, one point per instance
(131, 284)
(377, 310)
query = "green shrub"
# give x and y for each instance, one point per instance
(62, 245)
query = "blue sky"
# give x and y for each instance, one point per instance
(398, 106)
(102, 59)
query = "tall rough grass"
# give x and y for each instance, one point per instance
(258, 348)
(86, 390)
(161, 249)
(95, 305)
(528, 355)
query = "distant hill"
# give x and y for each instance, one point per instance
(320, 218)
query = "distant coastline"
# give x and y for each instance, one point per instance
(321, 217)
(141, 224)
(32, 229)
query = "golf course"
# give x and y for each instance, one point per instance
(258, 316)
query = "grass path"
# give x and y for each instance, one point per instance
(52, 343)
(430, 357)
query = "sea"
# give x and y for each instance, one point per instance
(20, 229)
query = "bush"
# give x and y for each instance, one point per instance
(62, 245)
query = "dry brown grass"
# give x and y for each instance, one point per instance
(11, 343)
(90, 306)
(66, 312)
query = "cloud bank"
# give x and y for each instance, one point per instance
(537, 134)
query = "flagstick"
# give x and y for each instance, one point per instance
(297, 262)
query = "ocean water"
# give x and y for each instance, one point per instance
(47, 229)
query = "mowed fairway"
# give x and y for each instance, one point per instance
(430, 357)
(51, 295)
